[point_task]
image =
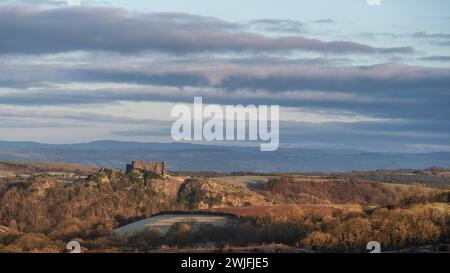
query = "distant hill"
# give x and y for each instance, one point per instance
(17, 167)
(191, 157)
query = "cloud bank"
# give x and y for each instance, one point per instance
(98, 69)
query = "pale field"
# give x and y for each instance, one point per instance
(5, 174)
(69, 174)
(255, 182)
(164, 222)
(250, 182)
(316, 179)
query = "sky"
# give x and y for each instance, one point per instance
(346, 74)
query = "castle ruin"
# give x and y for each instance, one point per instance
(159, 168)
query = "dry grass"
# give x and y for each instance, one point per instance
(249, 182)
(284, 209)
(68, 167)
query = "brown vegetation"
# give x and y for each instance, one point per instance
(258, 211)
(40, 167)
(41, 214)
(287, 189)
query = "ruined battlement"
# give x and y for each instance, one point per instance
(159, 168)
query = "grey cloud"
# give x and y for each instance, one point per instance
(419, 107)
(362, 79)
(36, 2)
(413, 100)
(266, 61)
(80, 116)
(358, 136)
(325, 21)
(32, 30)
(20, 123)
(277, 25)
(442, 39)
(416, 35)
(423, 34)
(177, 79)
(436, 58)
(392, 90)
(373, 35)
(388, 90)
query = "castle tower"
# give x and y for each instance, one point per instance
(159, 168)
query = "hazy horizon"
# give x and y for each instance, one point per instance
(231, 145)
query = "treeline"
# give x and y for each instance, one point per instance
(431, 177)
(436, 181)
(45, 220)
(286, 189)
(313, 231)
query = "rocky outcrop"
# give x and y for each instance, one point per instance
(167, 187)
(104, 176)
(40, 184)
(4, 229)
(202, 193)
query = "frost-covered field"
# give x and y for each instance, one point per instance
(164, 222)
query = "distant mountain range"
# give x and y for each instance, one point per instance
(192, 157)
